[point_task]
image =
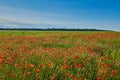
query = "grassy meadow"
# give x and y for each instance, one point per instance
(59, 55)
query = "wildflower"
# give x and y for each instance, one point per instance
(37, 70)
(113, 72)
(37, 74)
(98, 79)
(64, 59)
(67, 75)
(77, 57)
(66, 67)
(52, 78)
(105, 74)
(31, 65)
(81, 79)
(1, 60)
(71, 75)
(80, 65)
(28, 73)
(81, 50)
(15, 65)
(11, 75)
(41, 65)
(0, 67)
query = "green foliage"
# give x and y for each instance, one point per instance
(59, 55)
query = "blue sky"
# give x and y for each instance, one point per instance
(100, 14)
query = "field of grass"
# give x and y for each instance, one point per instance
(59, 55)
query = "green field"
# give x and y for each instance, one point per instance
(59, 55)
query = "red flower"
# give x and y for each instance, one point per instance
(27, 73)
(52, 78)
(113, 72)
(66, 67)
(38, 79)
(98, 79)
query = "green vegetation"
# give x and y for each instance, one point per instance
(59, 55)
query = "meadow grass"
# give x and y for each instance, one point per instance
(59, 55)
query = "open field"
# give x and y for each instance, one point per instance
(59, 55)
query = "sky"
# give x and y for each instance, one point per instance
(98, 14)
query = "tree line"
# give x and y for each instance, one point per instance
(52, 29)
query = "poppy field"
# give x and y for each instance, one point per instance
(59, 55)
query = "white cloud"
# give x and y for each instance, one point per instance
(16, 17)
(29, 16)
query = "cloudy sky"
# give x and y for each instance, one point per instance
(100, 14)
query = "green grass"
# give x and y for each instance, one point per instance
(59, 55)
